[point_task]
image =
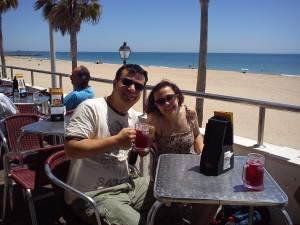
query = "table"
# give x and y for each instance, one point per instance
(29, 99)
(47, 127)
(5, 89)
(41, 101)
(178, 180)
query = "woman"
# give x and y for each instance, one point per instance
(176, 131)
(176, 125)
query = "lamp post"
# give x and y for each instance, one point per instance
(124, 51)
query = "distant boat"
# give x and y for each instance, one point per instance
(244, 70)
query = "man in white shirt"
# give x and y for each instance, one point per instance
(7, 107)
(98, 138)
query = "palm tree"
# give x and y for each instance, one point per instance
(66, 16)
(201, 80)
(4, 6)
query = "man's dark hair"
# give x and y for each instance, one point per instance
(132, 69)
(84, 75)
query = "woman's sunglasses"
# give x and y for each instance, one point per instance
(167, 98)
(127, 82)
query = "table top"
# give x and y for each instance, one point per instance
(47, 127)
(178, 179)
(5, 89)
(29, 99)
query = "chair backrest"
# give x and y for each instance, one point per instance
(13, 124)
(56, 168)
(28, 108)
(38, 163)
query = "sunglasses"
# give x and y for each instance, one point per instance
(127, 82)
(167, 98)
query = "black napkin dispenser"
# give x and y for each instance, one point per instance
(57, 109)
(217, 156)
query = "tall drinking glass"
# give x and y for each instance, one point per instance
(253, 172)
(35, 97)
(144, 135)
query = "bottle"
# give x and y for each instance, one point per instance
(230, 221)
(15, 88)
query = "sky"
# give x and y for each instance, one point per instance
(234, 26)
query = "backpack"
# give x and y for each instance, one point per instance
(261, 215)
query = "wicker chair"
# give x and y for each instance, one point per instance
(27, 108)
(13, 125)
(31, 178)
(56, 167)
(23, 160)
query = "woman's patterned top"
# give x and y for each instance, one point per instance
(177, 143)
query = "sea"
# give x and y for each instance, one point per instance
(273, 64)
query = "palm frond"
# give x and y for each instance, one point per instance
(8, 4)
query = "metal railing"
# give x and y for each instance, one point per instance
(263, 105)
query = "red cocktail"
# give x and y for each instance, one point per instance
(253, 174)
(143, 137)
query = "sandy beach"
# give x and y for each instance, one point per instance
(281, 128)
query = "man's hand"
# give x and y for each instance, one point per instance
(126, 137)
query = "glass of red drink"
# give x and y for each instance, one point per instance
(143, 138)
(253, 172)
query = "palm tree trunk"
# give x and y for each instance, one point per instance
(73, 44)
(2, 50)
(201, 81)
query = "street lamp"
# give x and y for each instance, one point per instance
(124, 51)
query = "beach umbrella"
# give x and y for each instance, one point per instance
(201, 79)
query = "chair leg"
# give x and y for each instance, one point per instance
(4, 199)
(32, 211)
(11, 198)
(6, 187)
(8, 190)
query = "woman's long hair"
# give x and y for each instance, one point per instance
(151, 106)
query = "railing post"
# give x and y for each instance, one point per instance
(144, 100)
(261, 126)
(32, 78)
(60, 81)
(11, 73)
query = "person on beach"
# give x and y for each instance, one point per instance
(176, 131)
(99, 136)
(80, 80)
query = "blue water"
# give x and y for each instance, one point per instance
(277, 64)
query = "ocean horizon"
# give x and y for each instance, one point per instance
(274, 64)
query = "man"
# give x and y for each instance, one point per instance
(80, 79)
(7, 107)
(98, 139)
